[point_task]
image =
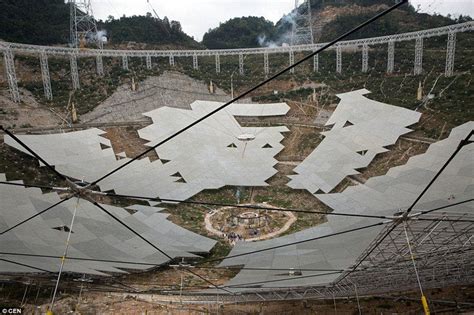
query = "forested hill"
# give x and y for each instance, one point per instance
(239, 32)
(34, 21)
(46, 22)
(146, 29)
(330, 18)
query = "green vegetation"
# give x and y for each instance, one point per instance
(46, 22)
(34, 22)
(146, 29)
(239, 32)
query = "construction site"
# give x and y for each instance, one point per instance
(302, 177)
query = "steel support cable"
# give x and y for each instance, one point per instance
(131, 230)
(254, 207)
(34, 153)
(154, 264)
(36, 214)
(461, 144)
(207, 281)
(447, 206)
(34, 186)
(444, 220)
(249, 284)
(362, 25)
(24, 265)
(298, 242)
(423, 298)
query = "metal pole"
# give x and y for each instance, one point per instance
(63, 258)
(423, 298)
(357, 298)
(24, 294)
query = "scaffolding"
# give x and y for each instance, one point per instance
(450, 50)
(45, 76)
(74, 73)
(302, 29)
(148, 62)
(365, 58)
(99, 65)
(195, 62)
(11, 74)
(418, 68)
(316, 63)
(241, 64)
(338, 59)
(125, 62)
(83, 27)
(218, 64)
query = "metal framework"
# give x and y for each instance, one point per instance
(83, 28)
(365, 58)
(61, 51)
(195, 62)
(450, 51)
(302, 28)
(291, 57)
(11, 75)
(125, 62)
(218, 64)
(390, 56)
(74, 73)
(418, 68)
(338, 59)
(9, 48)
(442, 246)
(45, 76)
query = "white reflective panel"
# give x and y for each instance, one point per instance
(208, 156)
(400, 189)
(362, 128)
(95, 235)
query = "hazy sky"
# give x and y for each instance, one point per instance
(197, 17)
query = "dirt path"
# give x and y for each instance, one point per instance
(284, 228)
